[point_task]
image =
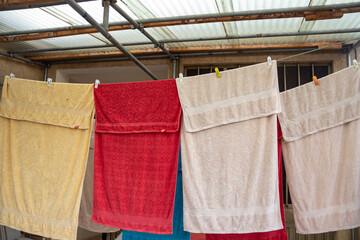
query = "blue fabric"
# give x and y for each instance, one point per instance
(178, 226)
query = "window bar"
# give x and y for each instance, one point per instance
(298, 69)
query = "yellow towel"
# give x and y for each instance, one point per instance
(45, 135)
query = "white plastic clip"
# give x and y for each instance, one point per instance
(269, 61)
(97, 82)
(49, 80)
(356, 64)
(11, 76)
(181, 77)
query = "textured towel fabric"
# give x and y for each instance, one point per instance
(137, 137)
(321, 129)
(86, 204)
(45, 135)
(272, 235)
(229, 150)
(178, 227)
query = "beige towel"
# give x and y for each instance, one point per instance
(229, 150)
(86, 205)
(321, 129)
(45, 135)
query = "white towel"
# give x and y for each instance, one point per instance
(229, 149)
(321, 129)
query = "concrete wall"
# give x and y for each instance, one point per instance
(65, 72)
(20, 69)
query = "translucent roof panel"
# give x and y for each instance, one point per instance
(166, 8)
(348, 21)
(64, 16)
(268, 26)
(29, 19)
(195, 31)
(247, 5)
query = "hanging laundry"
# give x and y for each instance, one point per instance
(178, 226)
(137, 138)
(321, 131)
(86, 204)
(272, 235)
(229, 150)
(45, 135)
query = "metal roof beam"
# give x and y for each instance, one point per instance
(140, 28)
(181, 50)
(185, 55)
(22, 59)
(21, 4)
(106, 34)
(260, 35)
(181, 20)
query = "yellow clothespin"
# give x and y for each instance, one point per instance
(315, 80)
(217, 73)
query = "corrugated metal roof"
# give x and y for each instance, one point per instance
(64, 15)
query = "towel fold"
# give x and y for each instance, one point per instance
(136, 150)
(321, 129)
(86, 204)
(229, 150)
(178, 226)
(45, 134)
(272, 235)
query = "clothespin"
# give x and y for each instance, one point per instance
(315, 80)
(269, 61)
(97, 82)
(356, 64)
(49, 80)
(181, 77)
(11, 76)
(217, 73)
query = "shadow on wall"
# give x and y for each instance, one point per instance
(110, 74)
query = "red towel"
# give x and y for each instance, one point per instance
(272, 235)
(137, 136)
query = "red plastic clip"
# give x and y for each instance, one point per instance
(76, 127)
(315, 80)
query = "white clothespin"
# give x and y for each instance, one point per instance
(356, 64)
(181, 77)
(97, 82)
(11, 76)
(269, 61)
(49, 80)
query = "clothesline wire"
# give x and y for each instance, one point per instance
(318, 49)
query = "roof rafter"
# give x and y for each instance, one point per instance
(327, 11)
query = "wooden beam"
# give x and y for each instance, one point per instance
(309, 14)
(16, 3)
(324, 15)
(155, 51)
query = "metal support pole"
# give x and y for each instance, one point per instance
(46, 73)
(140, 27)
(106, 5)
(106, 34)
(22, 59)
(174, 68)
(348, 59)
